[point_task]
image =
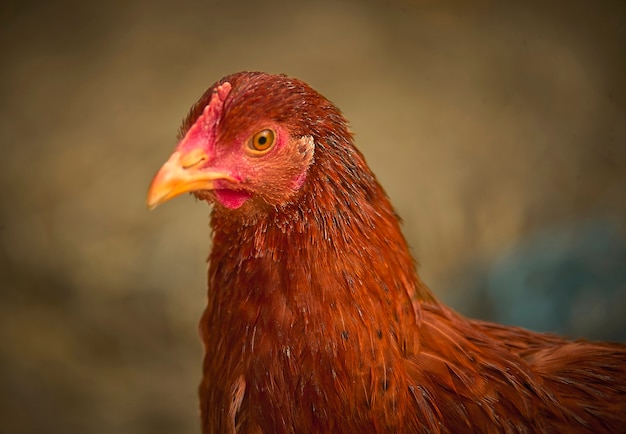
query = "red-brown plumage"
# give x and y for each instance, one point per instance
(316, 318)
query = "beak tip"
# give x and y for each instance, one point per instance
(153, 199)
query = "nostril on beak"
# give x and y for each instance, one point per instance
(193, 158)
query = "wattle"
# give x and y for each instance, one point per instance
(231, 199)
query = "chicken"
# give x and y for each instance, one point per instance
(317, 320)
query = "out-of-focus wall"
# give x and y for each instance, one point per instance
(498, 129)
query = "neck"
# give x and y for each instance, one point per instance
(337, 243)
(315, 289)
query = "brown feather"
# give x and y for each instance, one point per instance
(317, 321)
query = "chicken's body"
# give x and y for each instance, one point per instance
(316, 318)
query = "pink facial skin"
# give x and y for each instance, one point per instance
(232, 159)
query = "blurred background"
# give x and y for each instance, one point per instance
(498, 129)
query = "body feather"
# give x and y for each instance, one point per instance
(318, 322)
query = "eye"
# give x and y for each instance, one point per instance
(262, 141)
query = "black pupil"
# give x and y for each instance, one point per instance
(262, 140)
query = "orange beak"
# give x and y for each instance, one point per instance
(182, 173)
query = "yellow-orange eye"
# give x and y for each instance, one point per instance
(262, 141)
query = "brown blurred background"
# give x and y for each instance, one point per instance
(498, 129)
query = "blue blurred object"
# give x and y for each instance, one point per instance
(568, 279)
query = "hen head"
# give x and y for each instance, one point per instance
(248, 142)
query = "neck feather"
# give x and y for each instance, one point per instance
(338, 242)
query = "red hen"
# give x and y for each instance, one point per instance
(317, 320)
